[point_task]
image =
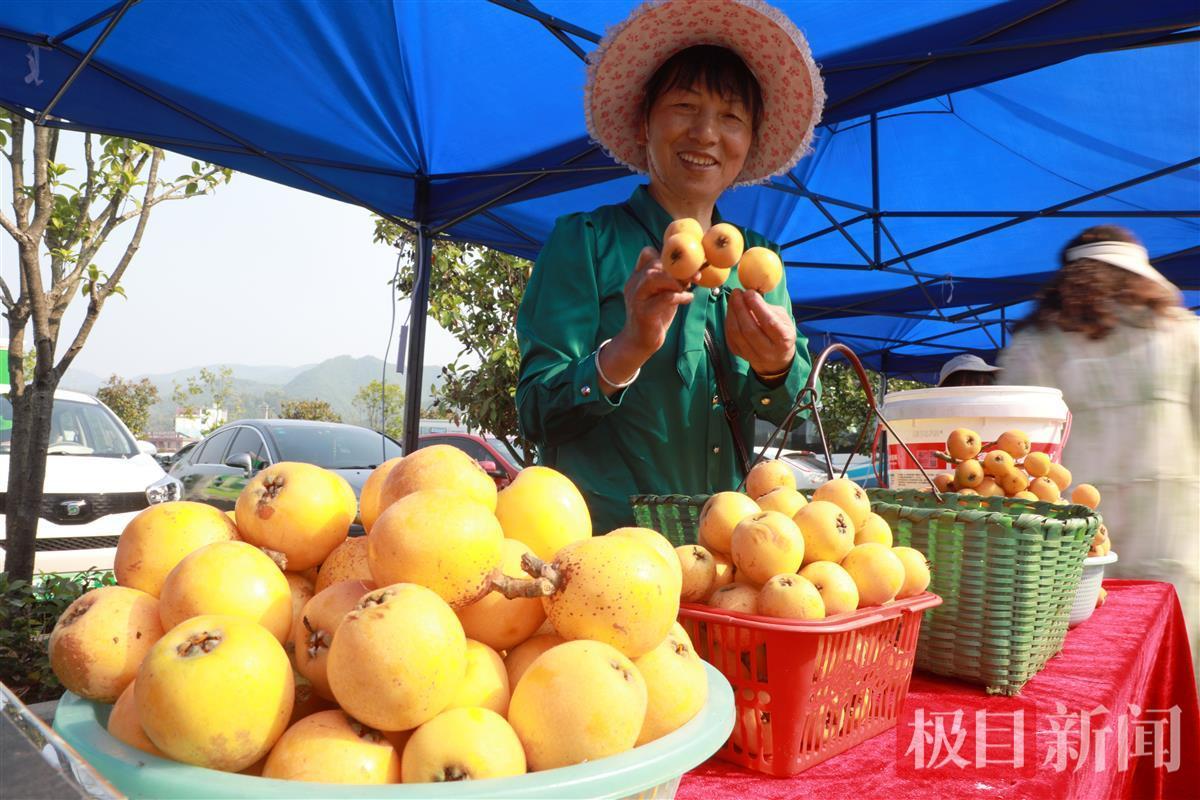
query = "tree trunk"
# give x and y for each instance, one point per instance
(32, 407)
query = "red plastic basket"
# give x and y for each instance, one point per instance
(807, 690)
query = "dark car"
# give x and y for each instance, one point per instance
(217, 469)
(488, 451)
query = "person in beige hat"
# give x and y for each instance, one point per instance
(633, 382)
(967, 370)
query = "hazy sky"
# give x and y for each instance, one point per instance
(256, 273)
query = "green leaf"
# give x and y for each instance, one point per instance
(190, 190)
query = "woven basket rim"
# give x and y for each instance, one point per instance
(1067, 516)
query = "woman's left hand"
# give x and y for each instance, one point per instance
(759, 332)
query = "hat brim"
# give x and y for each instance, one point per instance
(771, 46)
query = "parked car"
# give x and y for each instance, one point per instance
(98, 476)
(489, 451)
(221, 464)
(168, 460)
(809, 468)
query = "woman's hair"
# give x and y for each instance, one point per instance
(717, 69)
(1086, 295)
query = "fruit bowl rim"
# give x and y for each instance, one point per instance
(78, 721)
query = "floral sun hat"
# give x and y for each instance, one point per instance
(773, 48)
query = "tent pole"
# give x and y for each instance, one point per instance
(1174, 32)
(1074, 201)
(95, 19)
(498, 199)
(875, 188)
(883, 387)
(414, 363)
(1098, 214)
(83, 62)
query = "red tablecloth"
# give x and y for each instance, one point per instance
(1124, 676)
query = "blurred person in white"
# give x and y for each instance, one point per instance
(1112, 333)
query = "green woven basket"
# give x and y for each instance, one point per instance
(675, 516)
(1006, 570)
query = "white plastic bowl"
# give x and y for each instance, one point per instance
(1089, 587)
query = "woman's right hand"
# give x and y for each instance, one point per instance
(651, 300)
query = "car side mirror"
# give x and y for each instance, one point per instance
(492, 469)
(147, 447)
(241, 461)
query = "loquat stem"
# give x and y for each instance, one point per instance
(521, 587)
(279, 558)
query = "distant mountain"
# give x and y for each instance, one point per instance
(271, 374)
(337, 380)
(258, 391)
(80, 380)
(243, 374)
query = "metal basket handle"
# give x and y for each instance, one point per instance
(806, 400)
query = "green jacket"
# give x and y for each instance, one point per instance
(667, 432)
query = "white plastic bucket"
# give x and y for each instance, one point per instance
(1089, 588)
(923, 418)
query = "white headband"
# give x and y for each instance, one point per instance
(1125, 255)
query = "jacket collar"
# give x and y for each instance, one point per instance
(654, 216)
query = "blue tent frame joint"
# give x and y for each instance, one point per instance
(246, 147)
(820, 206)
(83, 62)
(552, 24)
(528, 9)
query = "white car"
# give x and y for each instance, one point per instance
(98, 477)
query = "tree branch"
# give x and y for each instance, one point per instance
(17, 159)
(174, 192)
(99, 294)
(134, 243)
(53, 153)
(43, 197)
(99, 228)
(12, 229)
(10, 305)
(89, 189)
(98, 233)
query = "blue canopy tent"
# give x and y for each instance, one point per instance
(963, 142)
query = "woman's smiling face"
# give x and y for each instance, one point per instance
(696, 142)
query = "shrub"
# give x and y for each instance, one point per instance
(28, 612)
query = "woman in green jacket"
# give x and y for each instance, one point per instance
(616, 387)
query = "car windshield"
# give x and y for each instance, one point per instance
(76, 429)
(499, 446)
(334, 447)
